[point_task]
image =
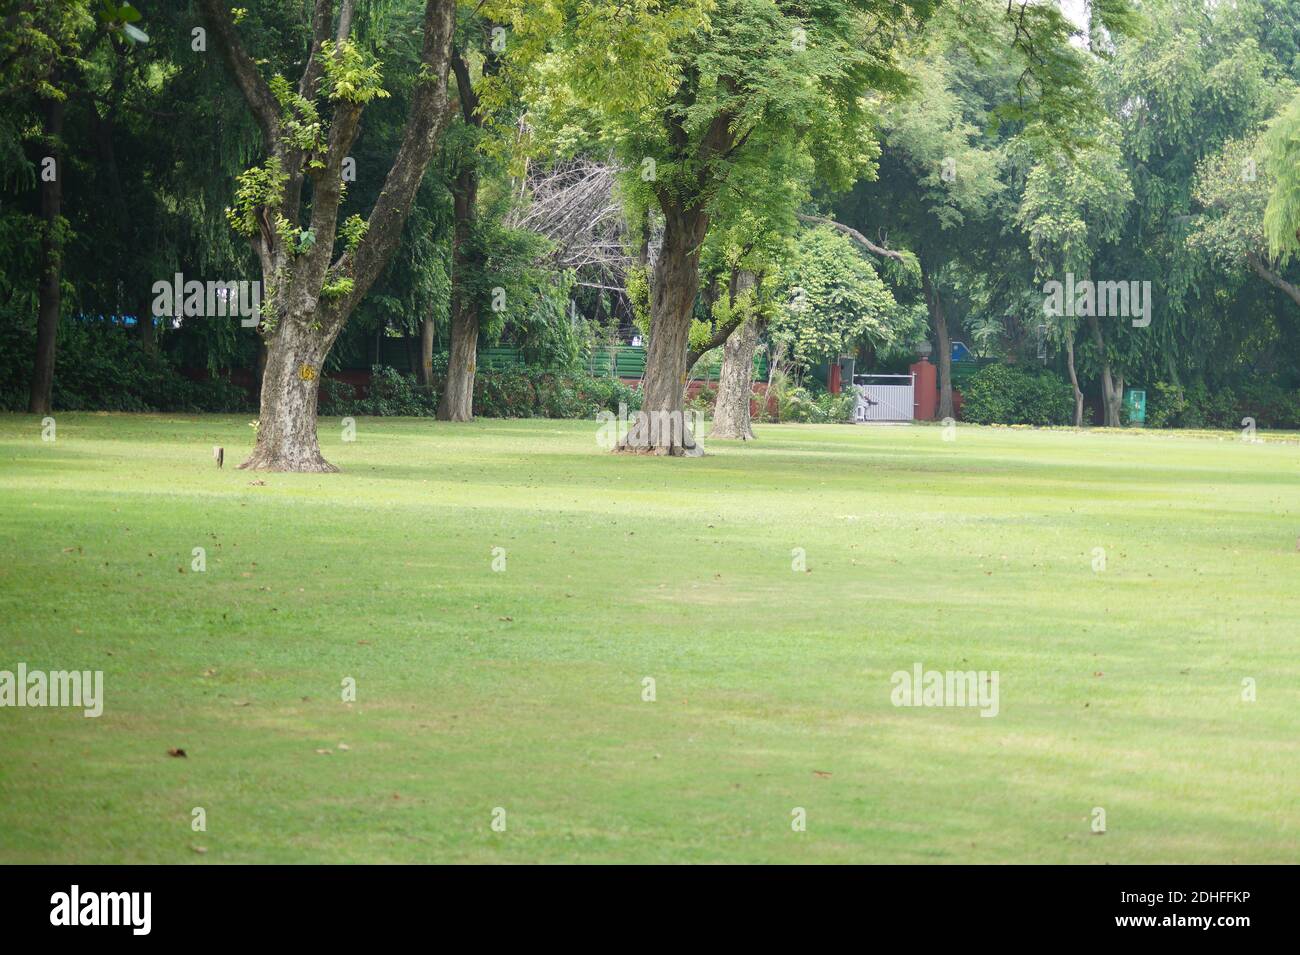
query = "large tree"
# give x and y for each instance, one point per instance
(685, 93)
(314, 269)
(1197, 80)
(457, 400)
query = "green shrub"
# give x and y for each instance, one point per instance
(1166, 405)
(798, 406)
(1195, 406)
(704, 401)
(100, 366)
(392, 393)
(1006, 394)
(1269, 404)
(505, 394)
(513, 393)
(335, 397)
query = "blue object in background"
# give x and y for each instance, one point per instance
(961, 353)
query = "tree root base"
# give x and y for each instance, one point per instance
(730, 435)
(296, 464)
(674, 451)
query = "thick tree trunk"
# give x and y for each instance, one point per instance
(312, 301)
(457, 400)
(939, 324)
(660, 426)
(736, 380)
(286, 427)
(1074, 379)
(736, 385)
(49, 289)
(426, 352)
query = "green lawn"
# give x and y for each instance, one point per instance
(522, 689)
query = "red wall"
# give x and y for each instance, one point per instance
(927, 390)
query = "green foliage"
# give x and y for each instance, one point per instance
(1232, 186)
(1005, 394)
(532, 393)
(797, 405)
(352, 74)
(637, 287)
(100, 368)
(703, 401)
(512, 286)
(301, 123)
(337, 287)
(261, 186)
(1074, 203)
(833, 299)
(352, 231)
(391, 393)
(516, 393)
(1197, 406)
(1281, 146)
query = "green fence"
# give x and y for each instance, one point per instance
(964, 371)
(620, 361)
(623, 361)
(628, 361)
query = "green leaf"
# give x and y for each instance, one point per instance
(135, 34)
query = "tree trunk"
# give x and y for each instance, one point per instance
(49, 290)
(457, 401)
(1112, 397)
(286, 428)
(144, 330)
(736, 384)
(939, 324)
(660, 426)
(736, 380)
(1074, 379)
(314, 293)
(426, 352)
(259, 373)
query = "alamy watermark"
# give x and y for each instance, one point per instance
(78, 688)
(74, 907)
(1086, 298)
(922, 687)
(177, 298)
(649, 429)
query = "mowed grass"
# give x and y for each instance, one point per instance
(522, 689)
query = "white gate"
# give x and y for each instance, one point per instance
(884, 397)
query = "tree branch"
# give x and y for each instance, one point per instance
(321, 18)
(345, 20)
(427, 119)
(465, 90)
(265, 109)
(853, 234)
(1272, 278)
